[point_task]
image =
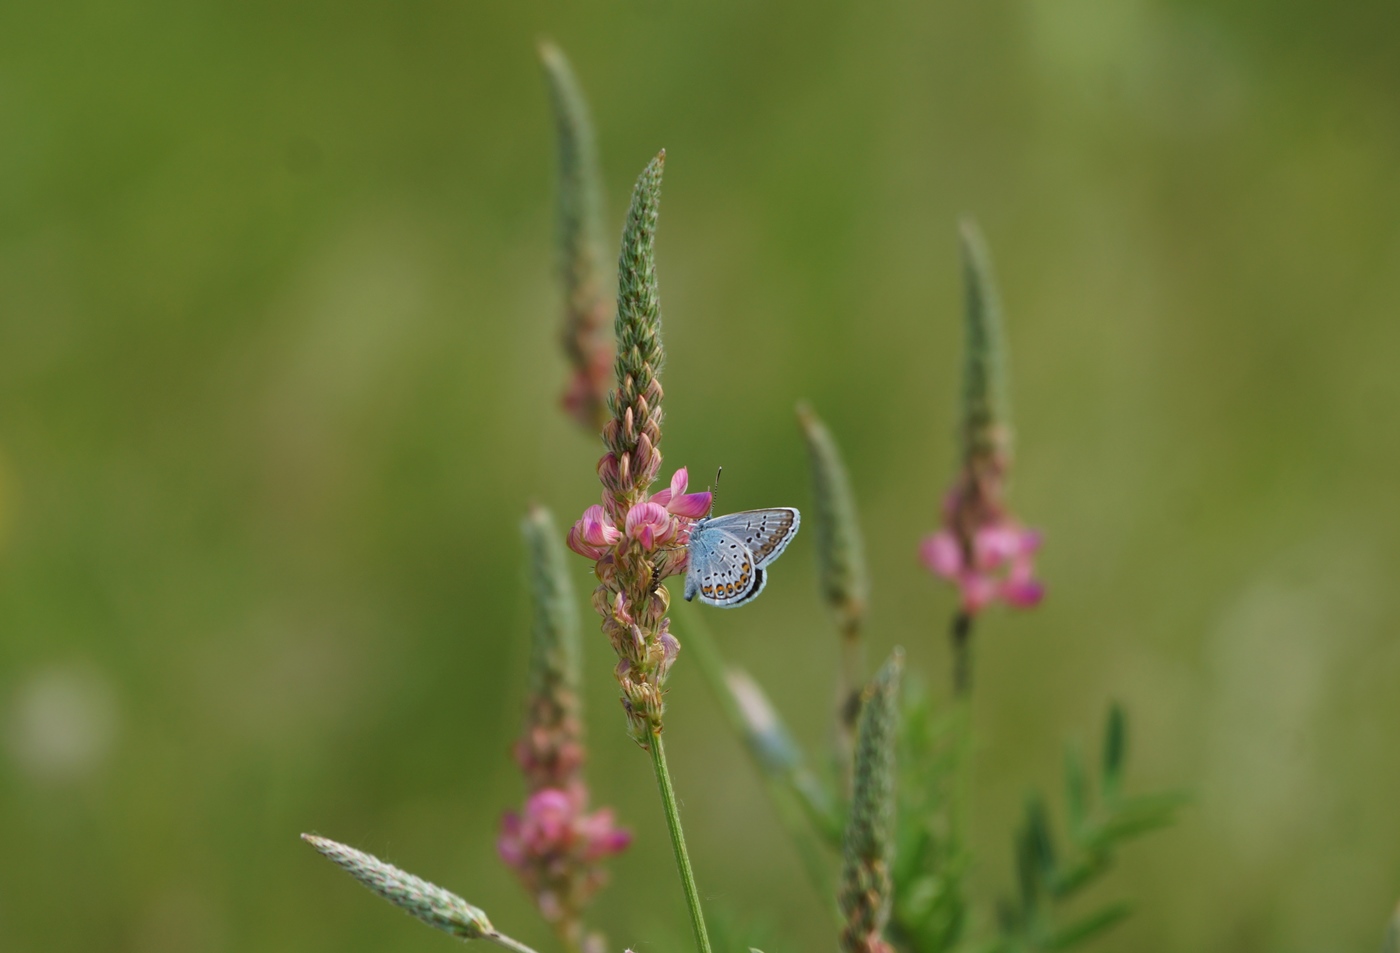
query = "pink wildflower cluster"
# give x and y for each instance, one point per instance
(662, 520)
(556, 847)
(631, 560)
(983, 550)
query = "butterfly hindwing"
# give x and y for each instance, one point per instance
(721, 571)
(728, 554)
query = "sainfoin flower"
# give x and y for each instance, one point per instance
(664, 519)
(594, 534)
(555, 845)
(637, 539)
(1001, 565)
(981, 548)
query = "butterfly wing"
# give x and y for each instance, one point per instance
(722, 570)
(766, 533)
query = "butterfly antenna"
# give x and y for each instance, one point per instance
(714, 493)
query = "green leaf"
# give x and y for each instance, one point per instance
(1089, 927)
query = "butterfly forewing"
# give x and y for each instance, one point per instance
(765, 532)
(728, 554)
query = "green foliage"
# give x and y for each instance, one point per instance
(930, 908)
(1049, 877)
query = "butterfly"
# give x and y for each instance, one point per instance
(728, 555)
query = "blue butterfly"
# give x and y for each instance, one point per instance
(728, 555)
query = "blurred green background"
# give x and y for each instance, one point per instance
(278, 377)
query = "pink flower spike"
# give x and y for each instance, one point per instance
(941, 554)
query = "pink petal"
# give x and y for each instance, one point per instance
(596, 528)
(509, 845)
(576, 543)
(600, 834)
(1023, 593)
(679, 479)
(661, 497)
(996, 544)
(941, 554)
(1021, 589)
(1030, 541)
(977, 591)
(645, 514)
(691, 505)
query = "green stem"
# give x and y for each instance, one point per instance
(960, 821)
(962, 654)
(510, 943)
(849, 686)
(673, 822)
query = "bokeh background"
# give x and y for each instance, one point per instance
(278, 377)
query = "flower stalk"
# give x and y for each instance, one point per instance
(636, 539)
(554, 844)
(982, 548)
(579, 245)
(841, 570)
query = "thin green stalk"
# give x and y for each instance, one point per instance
(673, 823)
(510, 943)
(850, 683)
(960, 797)
(962, 654)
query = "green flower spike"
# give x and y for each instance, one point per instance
(427, 902)
(581, 261)
(864, 893)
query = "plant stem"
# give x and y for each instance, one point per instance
(510, 943)
(962, 654)
(960, 801)
(673, 822)
(848, 688)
